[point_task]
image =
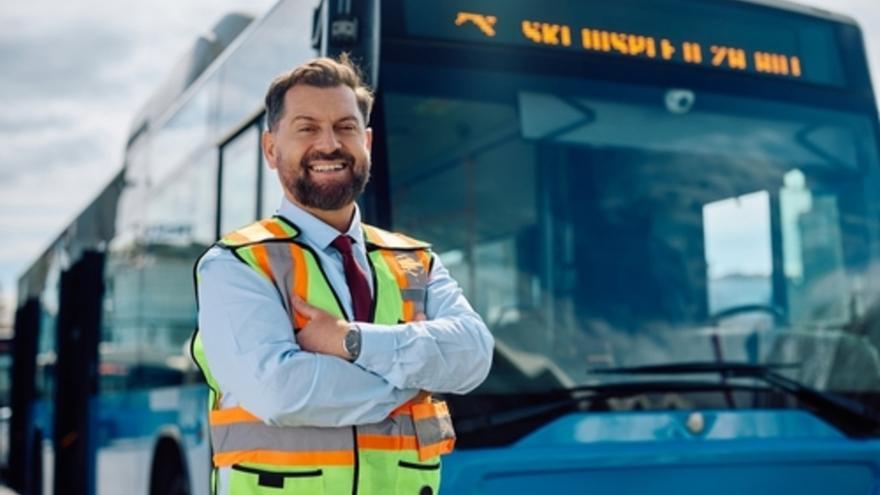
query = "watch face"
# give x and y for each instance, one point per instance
(353, 343)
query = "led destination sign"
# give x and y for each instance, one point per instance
(664, 49)
(743, 39)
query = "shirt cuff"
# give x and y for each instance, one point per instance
(378, 346)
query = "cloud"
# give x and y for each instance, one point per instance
(74, 75)
(62, 62)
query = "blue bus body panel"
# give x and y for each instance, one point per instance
(738, 452)
(144, 414)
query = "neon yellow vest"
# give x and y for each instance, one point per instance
(399, 455)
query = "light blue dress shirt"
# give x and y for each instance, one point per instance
(252, 353)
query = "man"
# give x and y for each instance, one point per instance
(322, 337)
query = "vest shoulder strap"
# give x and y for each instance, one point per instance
(269, 229)
(383, 239)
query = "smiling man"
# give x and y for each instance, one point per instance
(322, 338)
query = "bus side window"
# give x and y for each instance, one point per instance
(239, 160)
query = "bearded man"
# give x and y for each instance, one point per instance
(322, 338)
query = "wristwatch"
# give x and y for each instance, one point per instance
(352, 342)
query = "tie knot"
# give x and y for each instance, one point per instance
(342, 244)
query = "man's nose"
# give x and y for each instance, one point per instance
(327, 141)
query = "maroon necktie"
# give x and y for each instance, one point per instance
(355, 278)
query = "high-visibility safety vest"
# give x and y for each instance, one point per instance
(399, 455)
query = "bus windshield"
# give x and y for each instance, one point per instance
(596, 224)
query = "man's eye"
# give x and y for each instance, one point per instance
(348, 128)
(306, 129)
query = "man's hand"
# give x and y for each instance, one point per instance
(324, 332)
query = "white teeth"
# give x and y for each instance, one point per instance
(327, 168)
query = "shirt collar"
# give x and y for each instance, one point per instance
(315, 231)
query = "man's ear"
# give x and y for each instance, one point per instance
(268, 142)
(368, 138)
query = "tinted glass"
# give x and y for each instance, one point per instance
(48, 334)
(149, 302)
(182, 134)
(596, 224)
(279, 43)
(238, 190)
(5, 410)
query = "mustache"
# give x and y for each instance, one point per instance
(337, 155)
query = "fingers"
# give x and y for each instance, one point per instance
(304, 308)
(420, 317)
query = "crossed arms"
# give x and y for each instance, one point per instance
(254, 356)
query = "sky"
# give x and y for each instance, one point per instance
(73, 76)
(75, 73)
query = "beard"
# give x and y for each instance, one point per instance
(333, 195)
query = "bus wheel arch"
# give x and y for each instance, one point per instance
(168, 473)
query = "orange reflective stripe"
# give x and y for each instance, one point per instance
(255, 232)
(273, 227)
(231, 415)
(391, 240)
(429, 410)
(378, 236)
(387, 442)
(408, 307)
(404, 409)
(276, 458)
(409, 310)
(435, 449)
(300, 276)
(422, 396)
(261, 254)
(396, 269)
(407, 240)
(236, 238)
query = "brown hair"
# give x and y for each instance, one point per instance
(322, 73)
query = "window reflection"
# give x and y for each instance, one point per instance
(181, 135)
(738, 251)
(48, 333)
(227, 96)
(149, 304)
(238, 190)
(815, 267)
(281, 41)
(590, 226)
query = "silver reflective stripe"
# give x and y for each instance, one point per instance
(419, 307)
(259, 436)
(416, 275)
(416, 279)
(398, 425)
(414, 295)
(281, 261)
(432, 430)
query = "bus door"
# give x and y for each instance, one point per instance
(24, 439)
(53, 380)
(76, 373)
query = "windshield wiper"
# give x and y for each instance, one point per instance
(851, 417)
(529, 411)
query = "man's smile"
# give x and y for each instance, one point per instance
(324, 166)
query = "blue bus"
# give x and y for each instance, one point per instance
(667, 211)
